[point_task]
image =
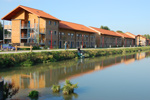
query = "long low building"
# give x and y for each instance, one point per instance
(31, 26)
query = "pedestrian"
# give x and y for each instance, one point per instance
(65, 45)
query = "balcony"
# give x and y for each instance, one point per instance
(29, 26)
(7, 36)
(42, 31)
(24, 36)
(42, 42)
(7, 27)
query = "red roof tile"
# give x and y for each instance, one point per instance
(132, 35)
(106, 32)
(74, 26)
(141, 36)
(125, 35)
(37, 12)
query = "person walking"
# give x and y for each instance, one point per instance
(65, 45)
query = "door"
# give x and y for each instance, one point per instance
(59, 44)
(71, 44)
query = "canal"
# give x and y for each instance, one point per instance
(121, 77)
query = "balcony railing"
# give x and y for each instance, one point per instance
(7, 26)
(24, 36)
(7, 36)
(42, 30)
(42, 42)
(28, 26)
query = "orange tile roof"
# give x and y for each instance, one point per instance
(37, 12)
(132, 35)
(141, 36)
(125, 35)
(106, 32)
(74, 26)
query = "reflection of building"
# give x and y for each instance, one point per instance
(48, 77)
(140, 56)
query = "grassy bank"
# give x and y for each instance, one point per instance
(29, 59)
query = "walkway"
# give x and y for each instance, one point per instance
(26, 51)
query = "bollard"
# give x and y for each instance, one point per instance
(30, 48)
(1, 89)
(109, 46)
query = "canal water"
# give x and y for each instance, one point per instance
(124, 77)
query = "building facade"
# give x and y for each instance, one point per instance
(106, 38)
(30, 26)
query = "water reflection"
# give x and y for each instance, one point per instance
(46, 75)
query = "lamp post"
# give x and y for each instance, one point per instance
(82, 40)
(51, 40)
(1, 88)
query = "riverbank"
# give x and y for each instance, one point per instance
(29, 59)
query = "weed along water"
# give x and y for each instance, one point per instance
(119, 77)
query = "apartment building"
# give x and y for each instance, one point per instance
(31, 26)
(106, 38)
(128, 41)
(76, 35)
(140, 40)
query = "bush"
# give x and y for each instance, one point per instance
(68, 88)
(56, 88)
(33, 94)
(29, 59)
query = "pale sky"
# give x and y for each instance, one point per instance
(126, 15)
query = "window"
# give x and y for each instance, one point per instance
(55, 33)
(54, 42)
(49, 32)
(49, 42)
(77, 35)
(49, 22)
(63, 33)
(72, 34)
(55, 23)
(68, 33)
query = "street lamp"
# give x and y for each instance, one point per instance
(51, 40)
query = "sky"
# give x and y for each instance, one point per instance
(125, 15)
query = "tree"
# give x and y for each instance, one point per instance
(119, 31)
(147, 36)
(105, 27)
(1, 31)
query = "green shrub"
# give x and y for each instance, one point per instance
(56, 88)
(33, 94)
(68, 88)
(29, 59)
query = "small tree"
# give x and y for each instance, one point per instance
(105, 27)
(119, 31)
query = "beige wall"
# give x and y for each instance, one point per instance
(140, 41)
(16, 31)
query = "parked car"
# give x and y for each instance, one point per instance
(9, 46)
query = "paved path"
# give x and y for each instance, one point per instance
(26, 51)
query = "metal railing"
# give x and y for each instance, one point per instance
(42, 41)
(7, 26)
(42, 30)
(28, 26)
(7, 36)
(24, 36)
